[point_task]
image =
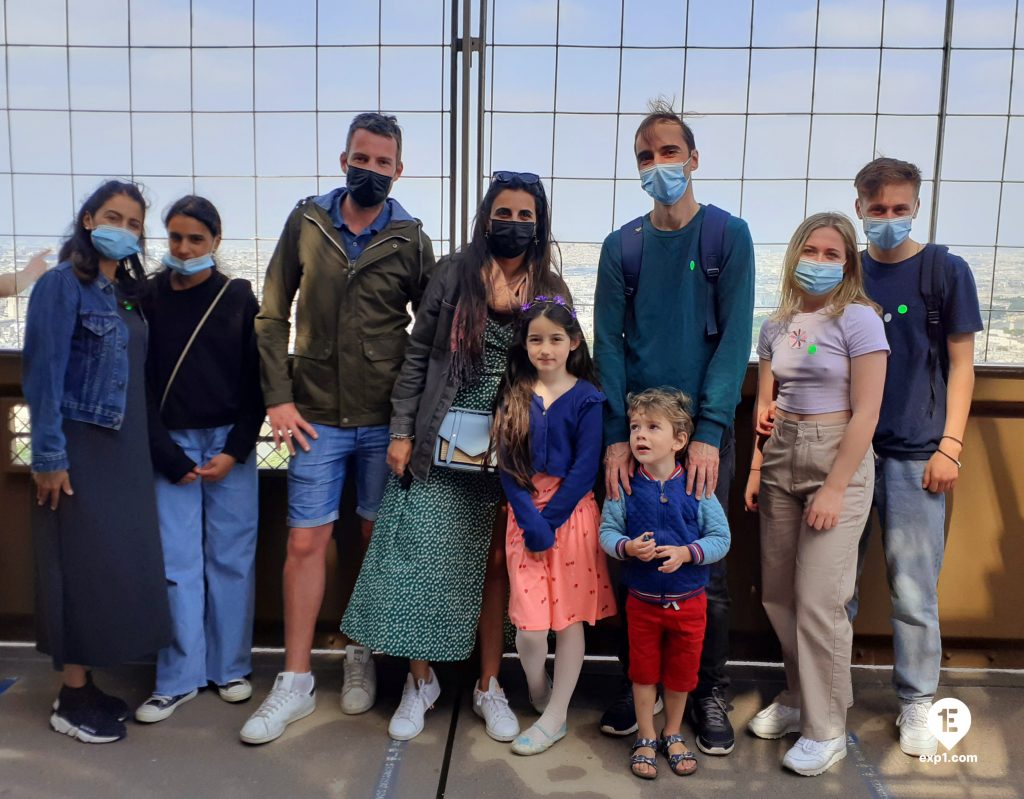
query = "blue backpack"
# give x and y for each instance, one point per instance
(712, 248)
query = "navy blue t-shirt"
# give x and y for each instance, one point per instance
(906, 430)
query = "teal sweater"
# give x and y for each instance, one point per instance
(665, 342)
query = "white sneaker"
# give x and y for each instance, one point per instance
(282, 706)
(915, 737)
(235, 690)
(492, 706)
(158, 706)
(811, 758)
(359, 685)
(775, 721)
(407, 722)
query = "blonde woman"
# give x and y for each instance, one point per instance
(825, 346)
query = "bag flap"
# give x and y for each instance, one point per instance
(469, 431)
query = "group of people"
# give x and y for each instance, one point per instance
(486, 393)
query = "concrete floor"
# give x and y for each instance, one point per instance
(196, 753)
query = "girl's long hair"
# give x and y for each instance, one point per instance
(851, 290)
(473, 264)
(77, 247)
(512, 411)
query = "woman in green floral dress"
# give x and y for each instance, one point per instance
(435, 569)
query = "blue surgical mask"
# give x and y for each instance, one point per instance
(815, 277)
(116, 243)
(191, 266)
(887, 234)
(666, 183)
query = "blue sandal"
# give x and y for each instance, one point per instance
(637, 760)
(674, 761)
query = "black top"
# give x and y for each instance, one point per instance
(219, 380)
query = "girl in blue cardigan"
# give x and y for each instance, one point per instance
(548, 430)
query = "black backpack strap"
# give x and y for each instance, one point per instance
(933, 274)
(631, 238)
(712, 260)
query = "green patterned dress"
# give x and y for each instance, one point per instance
(419, 590)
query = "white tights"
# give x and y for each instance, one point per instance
(532, 646)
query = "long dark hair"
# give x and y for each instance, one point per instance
(77, 247)
(512, 413)
(472, 263)
(199, 209)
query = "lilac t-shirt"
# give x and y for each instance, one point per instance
(811, 354)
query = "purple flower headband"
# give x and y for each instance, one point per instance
(558, 299)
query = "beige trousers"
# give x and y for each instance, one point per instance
(808, 575)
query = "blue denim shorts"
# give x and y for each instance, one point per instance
(316, 478)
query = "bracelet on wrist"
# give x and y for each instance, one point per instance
(953, 438)
(401, 437)
(946, 454)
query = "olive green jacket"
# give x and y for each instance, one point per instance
(351, 318)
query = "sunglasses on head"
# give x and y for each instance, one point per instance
(526, 178)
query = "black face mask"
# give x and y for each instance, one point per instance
(508, 239)
(368, 188)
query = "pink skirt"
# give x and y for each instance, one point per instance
(565, 584)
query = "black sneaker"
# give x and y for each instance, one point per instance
(620, 717)
(117, 708)
(79, 715)
(710, 721)
(111, 705)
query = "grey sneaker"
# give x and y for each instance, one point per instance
(359, 685)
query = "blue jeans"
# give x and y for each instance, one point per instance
(316, 478)
(208, 531)
(913, 537)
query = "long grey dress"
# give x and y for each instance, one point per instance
(101, 593)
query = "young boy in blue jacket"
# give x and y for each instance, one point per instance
(666, 539)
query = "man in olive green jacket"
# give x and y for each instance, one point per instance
(357, 260)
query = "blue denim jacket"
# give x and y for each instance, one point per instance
(75, 361)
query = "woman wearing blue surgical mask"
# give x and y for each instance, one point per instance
(812, 484)
(206, 409)
(101, 591)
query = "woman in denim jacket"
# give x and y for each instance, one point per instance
(102, 596)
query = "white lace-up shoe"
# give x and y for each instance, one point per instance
(417, 699)
(492, 706)
(775, 721)
(359, 685)
(915, 737)
(282, 706)
(811, 758)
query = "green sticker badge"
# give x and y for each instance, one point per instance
(901, 308)
(692, 266)
(812, 348)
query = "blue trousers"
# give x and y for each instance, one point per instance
(913, 537)
(209, 538)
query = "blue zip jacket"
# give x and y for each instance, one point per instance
(676, 519)
(74, 362)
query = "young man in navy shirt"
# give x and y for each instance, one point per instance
(919, 438)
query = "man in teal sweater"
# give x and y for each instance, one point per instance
(659, 337)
